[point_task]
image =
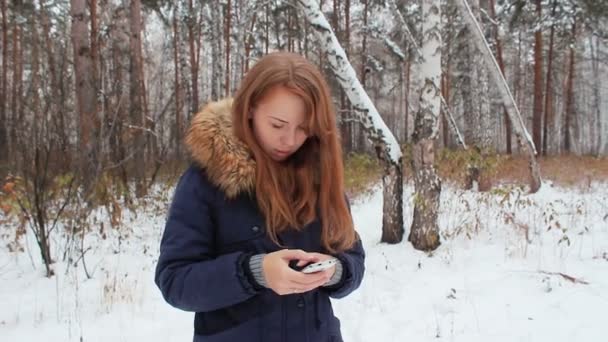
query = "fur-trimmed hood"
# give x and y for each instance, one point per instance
(211, 142)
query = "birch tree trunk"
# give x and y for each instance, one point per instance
(501, 65)
(365, 112)
(424, 233)
(420, 59)
(497, 77)
(476, 107)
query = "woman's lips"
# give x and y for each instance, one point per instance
(282, 153)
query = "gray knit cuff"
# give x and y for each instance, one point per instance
(255, 265)
(337, 275)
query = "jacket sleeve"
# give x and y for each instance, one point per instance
(189, 274)
(353, 269)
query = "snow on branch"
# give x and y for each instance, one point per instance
(394, 48)
(366, 112)
(495, 72)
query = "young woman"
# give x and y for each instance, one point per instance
(264, 197)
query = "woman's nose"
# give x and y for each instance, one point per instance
(289, 139)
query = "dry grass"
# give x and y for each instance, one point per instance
(362, 171)
(566, 170)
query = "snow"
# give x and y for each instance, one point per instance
(486, 282)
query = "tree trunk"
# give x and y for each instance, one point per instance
(507, 98)
(52, 71)
(595, 60)
(306, 48)
(424, 232)
(548, 117)
(469, 94)
(360, 140)
(569, 115)
(444, 92)
(538, 82)
(408, 82)
(17, 86)
(348, 126)
(4, 86)
(217, 89)
(136, 95)
(477, 112)
(227, 37)
(471, 106)
(194, 61)
(94, 47)
(518, 94)
(120, 140)
(85, 94)
(266, 28)
(178, 105)
(290, 40)
(420, 59)
(41, 150)
(501, 65)
(37, 127)
(387, 148)
(250, 42)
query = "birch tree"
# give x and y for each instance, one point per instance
(420, 59)
(476, 108)
(365, 112)
(519, 127)
(499, 58)
(424, 232)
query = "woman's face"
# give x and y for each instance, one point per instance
(278, 123)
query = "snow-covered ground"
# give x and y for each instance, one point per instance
(500, 275)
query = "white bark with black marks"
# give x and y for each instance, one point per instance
(424, 233)
(364, 111)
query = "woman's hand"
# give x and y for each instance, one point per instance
(284, 280)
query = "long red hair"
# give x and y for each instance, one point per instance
(310, 183)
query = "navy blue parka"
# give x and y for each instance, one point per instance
(214, 227)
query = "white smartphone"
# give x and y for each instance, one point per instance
(320, 266)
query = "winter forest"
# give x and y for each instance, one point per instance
(475, 140)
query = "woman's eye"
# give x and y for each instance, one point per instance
(277, 126)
